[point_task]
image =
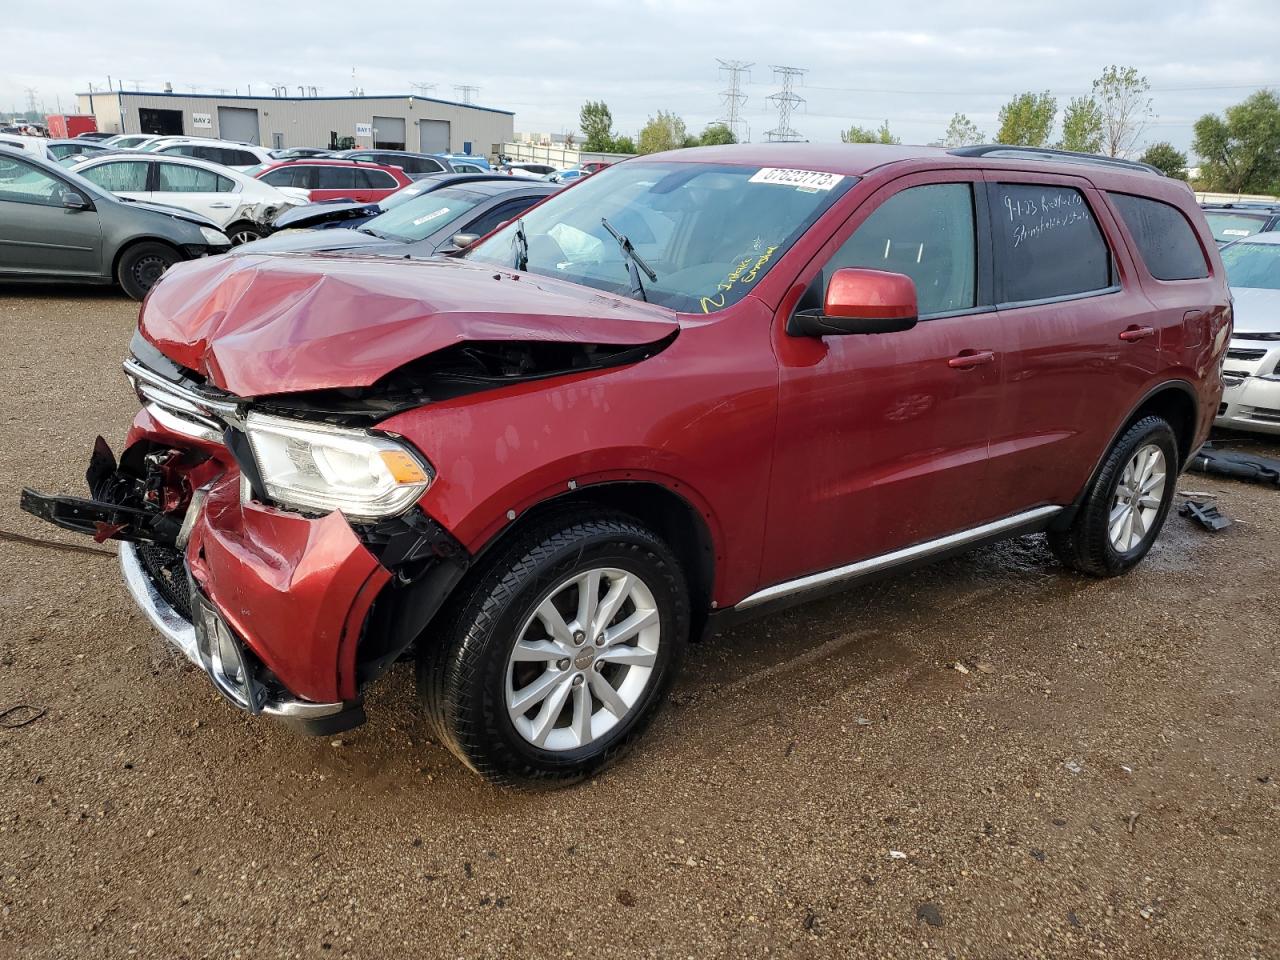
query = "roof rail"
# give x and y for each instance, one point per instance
(1000, 151)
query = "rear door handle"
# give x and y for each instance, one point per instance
(967, 359)
(1137, 333)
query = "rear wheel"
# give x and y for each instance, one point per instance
(142, 265)
(1127, 504)
(555, 659)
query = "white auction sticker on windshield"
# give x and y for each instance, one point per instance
(430, 216)
(801, 179)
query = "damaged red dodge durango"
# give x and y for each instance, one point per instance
(696, 385)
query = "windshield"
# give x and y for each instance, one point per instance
(707, 231)
(423, 215)
(1253, 265)
(1232, 226)
(405, 194)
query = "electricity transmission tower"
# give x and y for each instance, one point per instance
(32, 111)
(786, 101)
(734, 98)
(465, 90)
(422, 89)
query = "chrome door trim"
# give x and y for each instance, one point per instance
(884, 561)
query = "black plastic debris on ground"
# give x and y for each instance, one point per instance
(1241, 466)
(1206, 515)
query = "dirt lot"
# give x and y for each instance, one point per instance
(1104, 780)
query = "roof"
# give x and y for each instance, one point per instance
(227, 96)
(859, 159)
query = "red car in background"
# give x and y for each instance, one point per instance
(335, 179)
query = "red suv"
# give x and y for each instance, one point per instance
(697, 386)
(335, 179)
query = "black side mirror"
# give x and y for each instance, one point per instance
(74, 200)
(860, 301)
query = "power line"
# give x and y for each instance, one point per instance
(734, 98)
(1059, 93)
(786, 101)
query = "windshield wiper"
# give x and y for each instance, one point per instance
(522, 248)
(634, 262)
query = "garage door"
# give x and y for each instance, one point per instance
(388, 133)
(435, 136)
(238, 123)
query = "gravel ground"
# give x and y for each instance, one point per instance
(1102, 781)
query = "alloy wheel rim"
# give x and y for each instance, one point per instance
(243, 236)
(1138, 497)
(583, 659)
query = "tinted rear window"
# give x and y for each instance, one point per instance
(337, 178)
(1047, 243)
(1164, 237)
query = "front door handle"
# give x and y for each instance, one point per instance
(968, 359)
(220, 206)
(1135, 333)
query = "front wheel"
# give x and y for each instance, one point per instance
(556, 657)
(1126, 505)
(244, 233)
(143, 265)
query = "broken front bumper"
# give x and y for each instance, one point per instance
(209, 644)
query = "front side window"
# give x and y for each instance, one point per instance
(1164, 238)
(1047, 243)
(927, 233)
(23, 183)
(1253, 265)
(709, 231)
(120, 176)
(182, 178)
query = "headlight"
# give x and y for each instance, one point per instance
(319, 467)
(215, 238)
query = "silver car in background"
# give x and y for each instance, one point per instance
(55, 225)
(1251, 373)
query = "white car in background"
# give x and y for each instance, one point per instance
(228, 153)
(242, 206)
(1251, 370)
(129, 141)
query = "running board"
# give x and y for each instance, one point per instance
(920, 551)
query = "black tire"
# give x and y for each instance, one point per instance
(1086, 545)
(244, 232)
(462, 669)
(142, 265)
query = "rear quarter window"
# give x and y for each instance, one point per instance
(1163, 236)
(1047, 244)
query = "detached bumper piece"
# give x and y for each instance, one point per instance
(208, 642)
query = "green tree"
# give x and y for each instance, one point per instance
(856, 134)
(1082, 125)
(1165, 158)
(664, 132)
(597, 126)
(962, 132)
(1121, 93)
(623, 144)
(1027, 119)
(717, 134)
(1241, 152)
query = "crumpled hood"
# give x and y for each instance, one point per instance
(1255, 310)
(256, 325)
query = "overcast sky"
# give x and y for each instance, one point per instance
(912, 62)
